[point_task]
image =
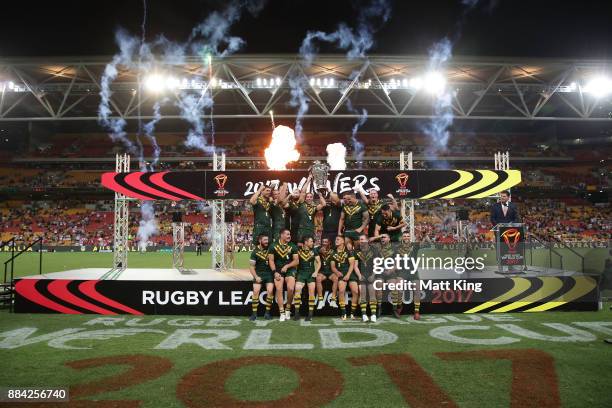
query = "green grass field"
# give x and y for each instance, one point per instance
(522, 360)
(486, 360)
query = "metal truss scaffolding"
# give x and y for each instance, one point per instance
(407, 206)
(218, 231)
(250, 86)
(122, 214)
(178, 245)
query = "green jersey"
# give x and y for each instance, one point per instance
(307, 260)
(331, 217)
(261, 212)
(341, 259)
(393, 221)
(260, 257)
(353, 215)
(277, 214)
(283, 254)
(374, 212)
(386, 251)
(306, 213)
(326, 261)
(365, 258)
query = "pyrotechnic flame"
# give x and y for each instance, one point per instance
(282, 148)
(336, 153)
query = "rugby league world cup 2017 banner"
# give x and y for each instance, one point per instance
(237, 184)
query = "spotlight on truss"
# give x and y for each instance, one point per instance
(599, 86)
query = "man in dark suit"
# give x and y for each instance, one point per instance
(504, 211)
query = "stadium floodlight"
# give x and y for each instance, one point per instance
(599, 86)
(416, 83)
(155, 83)
(434, 82)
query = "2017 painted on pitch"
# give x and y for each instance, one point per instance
(534, 380)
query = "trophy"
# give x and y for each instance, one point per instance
(319, 172)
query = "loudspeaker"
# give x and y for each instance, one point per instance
(229, 216)
(463, 215)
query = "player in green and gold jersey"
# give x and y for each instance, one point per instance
(409, 248)
(371, 200)
(262, 275)
(277, 211)
(332, 210)
(364, 263)
(306, 212)
(262, 223)
(283, 259)
(343, 265)
(308, 268)
(389, 222)
(325, 273)
(354, 218)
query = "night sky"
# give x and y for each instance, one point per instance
(517, 28)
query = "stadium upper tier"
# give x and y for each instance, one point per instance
(250, 86)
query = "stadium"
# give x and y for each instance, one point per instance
(199, 216)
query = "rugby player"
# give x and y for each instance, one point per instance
(371, 200)
(283, 259)
(278, 202)
(325, 273)
(406, 247)
(389, 222)
(262, 275)
(262, 223)
(354, 217)
(306, 211)
(364, 263)
(343, 265)
(308, 268)
(386, 250)
(332, 209)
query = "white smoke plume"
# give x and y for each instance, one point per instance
(147, 225)
(356, 41)
(358, 147)
(298, 100)
(149, 129)
(438, 128)
(192, 106)
(209, 37)
(336, 156)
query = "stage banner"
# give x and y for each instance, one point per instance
(512, 245)
(241, 184)
(233, 298)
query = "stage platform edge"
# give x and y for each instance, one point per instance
(149, 291)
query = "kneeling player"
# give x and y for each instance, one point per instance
(308, 268)
(343, 265)
(365, 265)
(262, 275)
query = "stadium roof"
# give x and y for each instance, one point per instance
(250, 86)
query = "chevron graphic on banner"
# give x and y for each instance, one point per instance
(520, 285)
(419, 184)
(550, 286)
(582, 286)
